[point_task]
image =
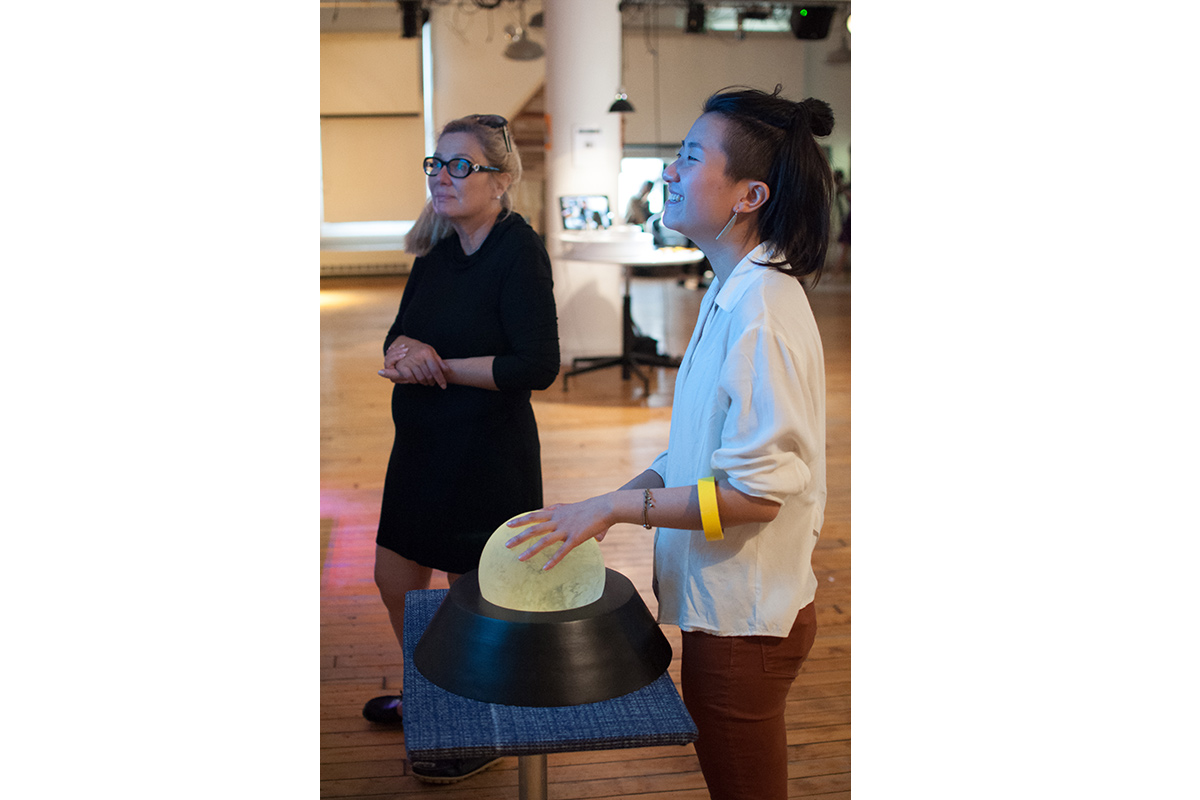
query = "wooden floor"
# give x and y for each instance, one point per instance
(594, 437)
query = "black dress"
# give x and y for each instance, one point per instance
(467, 459)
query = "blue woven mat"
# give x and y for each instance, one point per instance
(438, 724)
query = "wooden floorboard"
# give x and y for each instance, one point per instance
(594, 437)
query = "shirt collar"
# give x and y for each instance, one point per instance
(742, 277)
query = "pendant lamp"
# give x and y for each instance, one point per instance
(621, 104)
(520, 46)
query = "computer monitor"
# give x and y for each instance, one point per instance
(585, 212)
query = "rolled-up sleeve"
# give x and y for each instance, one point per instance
(771, 428)
(659, 464)
(530, 324)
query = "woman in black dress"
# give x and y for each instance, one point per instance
(475, 333)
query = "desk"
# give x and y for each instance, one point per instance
(628, 359)
(439, 724)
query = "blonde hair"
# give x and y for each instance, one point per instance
(430, 227)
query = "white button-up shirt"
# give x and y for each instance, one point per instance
(749, 408)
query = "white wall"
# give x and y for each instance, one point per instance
(470, 73)
(693, 66)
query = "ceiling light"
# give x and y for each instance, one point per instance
(621, 105)
(520, 46)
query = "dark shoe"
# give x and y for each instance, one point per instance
(385, 710)
(450, 770)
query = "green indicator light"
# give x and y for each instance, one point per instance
(804, 12)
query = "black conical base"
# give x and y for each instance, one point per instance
(479, 650)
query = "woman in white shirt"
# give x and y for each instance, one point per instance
(738, 497)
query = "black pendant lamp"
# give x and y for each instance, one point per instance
(621, 105)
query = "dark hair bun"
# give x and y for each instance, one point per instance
(820, 116)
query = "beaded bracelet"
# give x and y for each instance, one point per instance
(647, 504)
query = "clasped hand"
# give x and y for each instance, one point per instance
(410, 361)
(569, 523)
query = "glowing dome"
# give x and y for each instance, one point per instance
(576, 581)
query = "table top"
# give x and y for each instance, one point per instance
(439, 724)
(666, 256)
(634, 256)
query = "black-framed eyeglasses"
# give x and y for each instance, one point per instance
(499, 123)
(457, 167)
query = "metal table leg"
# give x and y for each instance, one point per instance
(629, 361)
(531, 771)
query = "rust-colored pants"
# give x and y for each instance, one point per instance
(735, 688)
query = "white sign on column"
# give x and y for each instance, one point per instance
(586, 144)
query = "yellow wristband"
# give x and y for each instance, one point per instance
(707, 488)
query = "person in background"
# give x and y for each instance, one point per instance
(476, 331)
(639, 206)
(738, 497)
(843, 206)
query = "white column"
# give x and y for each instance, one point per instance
(583, 67)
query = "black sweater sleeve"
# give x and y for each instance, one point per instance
(397, 328)
(529, 317)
